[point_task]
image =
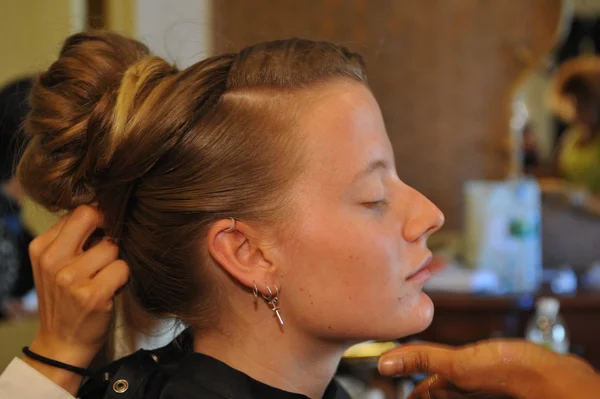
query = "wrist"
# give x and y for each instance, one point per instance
(67, 380)
(74, 355)
(562, 380)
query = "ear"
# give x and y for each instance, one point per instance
(240, 252)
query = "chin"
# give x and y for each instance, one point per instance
(419, 318)
(409, 319)
(424, 311)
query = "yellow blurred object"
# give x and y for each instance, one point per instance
(15, 334)
(32, 32)
(36, 218)
(369, 349)
(121, 16)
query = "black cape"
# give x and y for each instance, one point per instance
(176, 372)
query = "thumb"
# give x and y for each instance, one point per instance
(420, 358)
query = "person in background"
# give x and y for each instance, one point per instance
(576, 100)
(16, 278)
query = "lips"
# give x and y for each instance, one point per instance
(422, 268)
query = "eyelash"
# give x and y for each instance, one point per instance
(376, 204)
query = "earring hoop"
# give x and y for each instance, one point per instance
(255, 291)
(271, 297)
(272, 301)
(232, 227)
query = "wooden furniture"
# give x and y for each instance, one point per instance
(461, 319)
(570, 234)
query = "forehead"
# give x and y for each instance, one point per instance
(343, 130)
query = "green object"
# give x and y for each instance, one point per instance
(520, 228)
(580, 163)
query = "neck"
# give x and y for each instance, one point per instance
(13, 189)
(264, 350)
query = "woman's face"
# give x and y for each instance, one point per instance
(350, 264)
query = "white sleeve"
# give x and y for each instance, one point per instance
(20, 380)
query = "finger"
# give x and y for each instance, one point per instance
(36, 248)
(110, 279)
(39, 244)
(449, 393)
(579, 362)
(88, 264)
(434, 382)
(420, 358)
(82, 222)
(436, 394)
(444, 394)
(441, 388)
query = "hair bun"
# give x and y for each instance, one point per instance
(72, 118)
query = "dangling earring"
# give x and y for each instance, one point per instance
(272, 301)
(255, 291)
(232, 228)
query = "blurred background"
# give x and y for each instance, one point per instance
(493, 109)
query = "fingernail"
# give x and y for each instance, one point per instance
(389, 367)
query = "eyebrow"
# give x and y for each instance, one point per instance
(372, 167)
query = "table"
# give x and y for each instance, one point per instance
(461, 319)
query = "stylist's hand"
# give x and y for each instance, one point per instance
(75, 291)
(493, 369)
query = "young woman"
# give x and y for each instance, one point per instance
(284, 138)
(253, 195)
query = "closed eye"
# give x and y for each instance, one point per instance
(376, 204)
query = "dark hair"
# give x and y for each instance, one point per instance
(14, 106)
(165, 153)
(582, 87)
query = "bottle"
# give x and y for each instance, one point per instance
(524, 239)
(495, 252)
(547, 327)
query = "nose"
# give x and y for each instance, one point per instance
(422, 218)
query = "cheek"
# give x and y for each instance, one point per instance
(349, 257)
(349, 282)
